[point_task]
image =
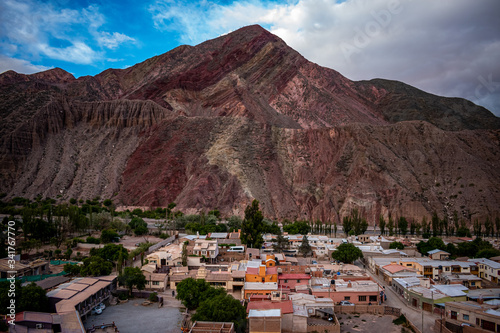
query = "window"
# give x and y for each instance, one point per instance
(347, 298)
(473, 283)
(373, 298)
(447, 269)
(466, 317)
(298, 281)
(156, 283)
(286, 281)
(362, 298)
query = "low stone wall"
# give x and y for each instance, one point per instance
(372, 309)
(330, 328)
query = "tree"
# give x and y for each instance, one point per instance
(185, 254)
(426, 228)
(347, 253)
(110, 252)
(403, 225)
(497, 226)
(432, 244)
(488, 227)
(436, 225)
(28, 298)
(132, 276)
(335, 229)
(487, 253)
(347, 225)
(390, 226)
(396, 245)
(138, 225)
(222, 308)
(477, 226)
(381, 224)
(108, 236)
(281, 243)
(96, 266)
(234, 223)
(191, 292)
(305, 247)
(298, 227)
(251, 229)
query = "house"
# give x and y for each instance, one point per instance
(471, 313)
(82, 294)
(170, 255)
(256, 271)
(29, 321)
(438, 254)
(401, 285)
(309, 304)
(206, 248)
(291, 281)
(488, 269)
(286, 308)
(23, 268)
(428, 298)
(430, 268)
(259, 288)
(470, 281)
(265, 321)
(156, 281)
(358, 292)
(393, 270)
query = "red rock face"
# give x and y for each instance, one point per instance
(242, 117)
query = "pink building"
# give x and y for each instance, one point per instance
(290, 281)
(357, 292)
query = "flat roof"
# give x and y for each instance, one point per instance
(264, 313)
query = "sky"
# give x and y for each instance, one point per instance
(446, 47)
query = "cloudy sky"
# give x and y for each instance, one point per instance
(446, 47)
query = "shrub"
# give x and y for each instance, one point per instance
(93, 240)
(153, 297)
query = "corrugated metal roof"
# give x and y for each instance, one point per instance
(264, 313)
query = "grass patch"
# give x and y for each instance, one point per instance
(400, 320)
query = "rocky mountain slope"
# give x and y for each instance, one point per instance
(244, 116)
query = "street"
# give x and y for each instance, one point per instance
(412, 314)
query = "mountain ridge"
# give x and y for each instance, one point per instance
(240, 117)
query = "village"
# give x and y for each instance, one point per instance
(284, 291)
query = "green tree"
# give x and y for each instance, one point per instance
(222, 308)
(381, 224)
(132, 276)
(191, 292)
(281, 243)
(185, 254)
(432, 244)
(305, 247)
(403, 225)
(234, 223)
(252, 227)
(33, 298)
(497, 226)
(108, 236)
(335, 229)
(488, 253)
(396, 245)
(347, 253)
(488, 227)
(347, 224)
(436, 225)
(390, 226)
(477, 226)
(96, 266)
(110, 252)
(298, 227)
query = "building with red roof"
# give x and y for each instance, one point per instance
(290, 281)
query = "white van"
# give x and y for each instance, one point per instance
(240, 249)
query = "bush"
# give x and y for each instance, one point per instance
(123, 296)
(93, 240)
(153, 297)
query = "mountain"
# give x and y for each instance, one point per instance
(244, 116)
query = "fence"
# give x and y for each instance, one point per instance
(372, 309)
(155, 247)
(33, 278)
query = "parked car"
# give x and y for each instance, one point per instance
(346, 303)
(98, 309)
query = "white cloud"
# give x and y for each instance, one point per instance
(19, 66)
(443, 47)
(113, 40)
(79, 53)
(34, 30)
